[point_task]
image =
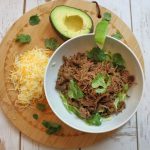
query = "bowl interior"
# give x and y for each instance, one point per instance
(82, 44)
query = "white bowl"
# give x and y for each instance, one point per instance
(82, 44)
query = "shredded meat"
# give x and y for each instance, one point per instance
(83, 71)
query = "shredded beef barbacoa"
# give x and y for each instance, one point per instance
(83, 71)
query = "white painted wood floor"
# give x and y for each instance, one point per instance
(135, 135)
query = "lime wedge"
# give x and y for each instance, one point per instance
(101, 32)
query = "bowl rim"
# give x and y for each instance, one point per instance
(117, 126)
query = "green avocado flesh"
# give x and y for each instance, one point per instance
(70, 22)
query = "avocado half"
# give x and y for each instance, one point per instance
(70, 22)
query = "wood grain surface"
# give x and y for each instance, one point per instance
(126, 137)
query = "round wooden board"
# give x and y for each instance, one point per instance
(67, 137)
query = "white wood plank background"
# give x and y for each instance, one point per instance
(141, 28)
(9, 12)
(135, 135)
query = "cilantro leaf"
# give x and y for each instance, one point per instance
(41, 106)
(117, 35)
(118, 60)
(97, 54)
(34, 20)
(23, 38)
(35, 116)
(74, 91)
(107, 16)
(101, 32)
(51, 127)
(120, 97)
(94, 120)
(51, 43)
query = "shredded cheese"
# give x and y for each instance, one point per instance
(28, 74)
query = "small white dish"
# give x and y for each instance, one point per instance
(82, 44)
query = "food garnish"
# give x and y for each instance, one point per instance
(117, 60)
(34, 20)
(23, 38)
(107, 16)
(35, 116)
(117, 35)
(51, 127)
(97, 54)
(28, 74)
(41, 106)
(51, 43)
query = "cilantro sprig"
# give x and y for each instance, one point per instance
(97, 54)
(117, 35)
(23, 38)
(51, 43)
(118, 61)
(40, 106)
(51, 127)
(35, 116)
(34, 20)
(107, 16)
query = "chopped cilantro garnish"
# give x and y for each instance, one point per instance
(97, 54)
(41, 106)
(51, 43)
(118, 60)
(117, 35)
(34, 20)
(35, 116)
(23, 38)
(51, 127)
(107, 16)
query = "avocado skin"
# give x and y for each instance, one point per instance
(60, 34)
